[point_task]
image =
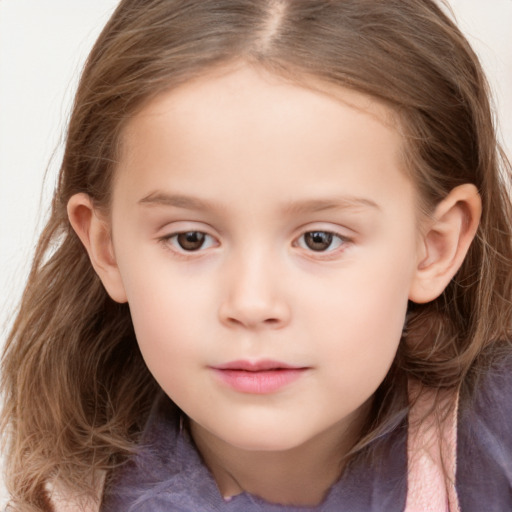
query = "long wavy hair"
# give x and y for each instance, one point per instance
(76, 389)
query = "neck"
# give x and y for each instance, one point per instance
(300, 476)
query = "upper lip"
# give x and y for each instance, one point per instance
(257, 366)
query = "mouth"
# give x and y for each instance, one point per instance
(258, 377)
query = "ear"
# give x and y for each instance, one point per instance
(445, 243)
(94, 231)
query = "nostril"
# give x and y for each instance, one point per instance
(250, 322)
(239, 311)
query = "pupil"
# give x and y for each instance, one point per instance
(191, 241)
(318, 240)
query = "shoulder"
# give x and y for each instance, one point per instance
(151, 463)
(484, 440)
(486, 403)
(166, 473)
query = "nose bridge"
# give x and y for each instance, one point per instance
(254, 295)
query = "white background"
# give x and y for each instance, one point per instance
(43, 44)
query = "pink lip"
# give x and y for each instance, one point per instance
(260, 377)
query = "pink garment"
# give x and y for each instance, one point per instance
(431, 453)
(63, 501)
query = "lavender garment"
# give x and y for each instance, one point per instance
(168, 475)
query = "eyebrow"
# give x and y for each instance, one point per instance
(290, 208)
(333, 203)
(178, 201)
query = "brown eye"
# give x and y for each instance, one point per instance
(318, 240)
(191, 240)
(322, 241)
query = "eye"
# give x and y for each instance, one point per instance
(190, 241)
(320, 241)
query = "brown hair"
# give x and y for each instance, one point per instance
(76, 388)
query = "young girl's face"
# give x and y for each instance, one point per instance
(266, 239)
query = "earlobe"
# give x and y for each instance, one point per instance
(445, 242)
(94, 232)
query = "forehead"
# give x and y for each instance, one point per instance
(223, 86)
(244, 126)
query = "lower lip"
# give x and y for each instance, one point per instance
(259, 382)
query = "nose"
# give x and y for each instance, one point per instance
(254, 296)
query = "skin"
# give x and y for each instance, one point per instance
(256, 163)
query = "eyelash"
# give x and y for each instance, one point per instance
(341, 241)
(177, 247)
(173, 243)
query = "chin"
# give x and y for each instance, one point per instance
(265, 440)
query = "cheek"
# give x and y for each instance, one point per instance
(362, 318)
(362, 353)
(164, 308)
(370, 295)
(170, 344)
(162, 312)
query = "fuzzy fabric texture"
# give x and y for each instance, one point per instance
(464, 466)
(431, 454)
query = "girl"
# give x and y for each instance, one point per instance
(277, 274)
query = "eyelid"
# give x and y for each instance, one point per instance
(345, 241)
(171, 234)
(176, 235)
(341, 238)
(185, 227)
